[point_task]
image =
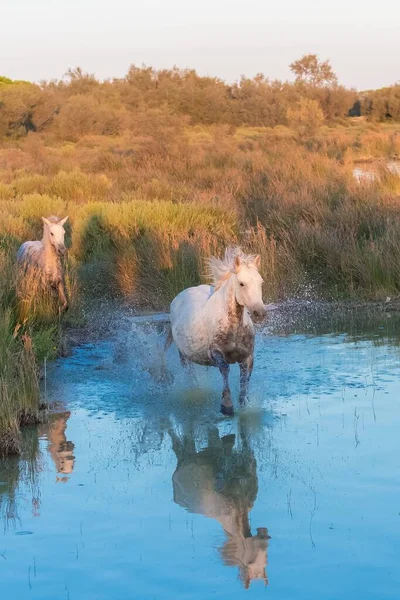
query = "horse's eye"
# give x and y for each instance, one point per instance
(52, 234)
(241, 284)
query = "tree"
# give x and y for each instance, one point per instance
(83, 114)
(80, 82)
(5, 80)
(311, 71)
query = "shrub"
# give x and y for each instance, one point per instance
(306, 118)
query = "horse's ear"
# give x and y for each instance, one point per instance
(63, 221)
(46, 221)
(257, 261)
(262, 533)
(237, 263)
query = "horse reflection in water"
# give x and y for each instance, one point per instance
(60, 449)
(221, 482)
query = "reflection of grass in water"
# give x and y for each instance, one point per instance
(17, 471)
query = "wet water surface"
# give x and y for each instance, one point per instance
(138, 488)
(368, 173)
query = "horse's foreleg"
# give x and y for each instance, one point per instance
(246, 369)
(62, 296)
(187, 365)
(220, 362)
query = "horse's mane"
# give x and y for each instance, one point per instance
(53, 219)
(220, 269)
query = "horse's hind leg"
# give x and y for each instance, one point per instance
(246, 369)
(169, 341)
(220, 362)
(184, 361)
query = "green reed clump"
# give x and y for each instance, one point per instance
(19, 383)
(148, 249)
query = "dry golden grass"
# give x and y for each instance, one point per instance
(136, 210)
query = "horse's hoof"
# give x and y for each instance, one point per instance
(227, 410)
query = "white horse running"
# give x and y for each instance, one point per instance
(45, 256)
(212, 325)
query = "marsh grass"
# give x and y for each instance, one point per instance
(142, 230)
(19, 384)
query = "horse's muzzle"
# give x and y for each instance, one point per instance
(258, 314)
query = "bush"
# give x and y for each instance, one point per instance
(306, 118)
(84, 115)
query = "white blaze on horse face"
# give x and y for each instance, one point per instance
(248, 290)
(56, 234)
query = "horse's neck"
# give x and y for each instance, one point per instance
(228, 300)
(236, 523)
(49, 253)
(56, 437)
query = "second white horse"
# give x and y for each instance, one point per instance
(43, 257)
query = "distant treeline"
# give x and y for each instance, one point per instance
(80, 105)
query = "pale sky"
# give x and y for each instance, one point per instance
(41, 39)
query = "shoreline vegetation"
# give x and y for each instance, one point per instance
(161, 169)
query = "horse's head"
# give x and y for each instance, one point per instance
(255, 567)
(248, 286)
(250, 554)
(56, 233)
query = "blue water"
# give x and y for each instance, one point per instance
(126, 492)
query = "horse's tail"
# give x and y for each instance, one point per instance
(170, 339)
(21, 254)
